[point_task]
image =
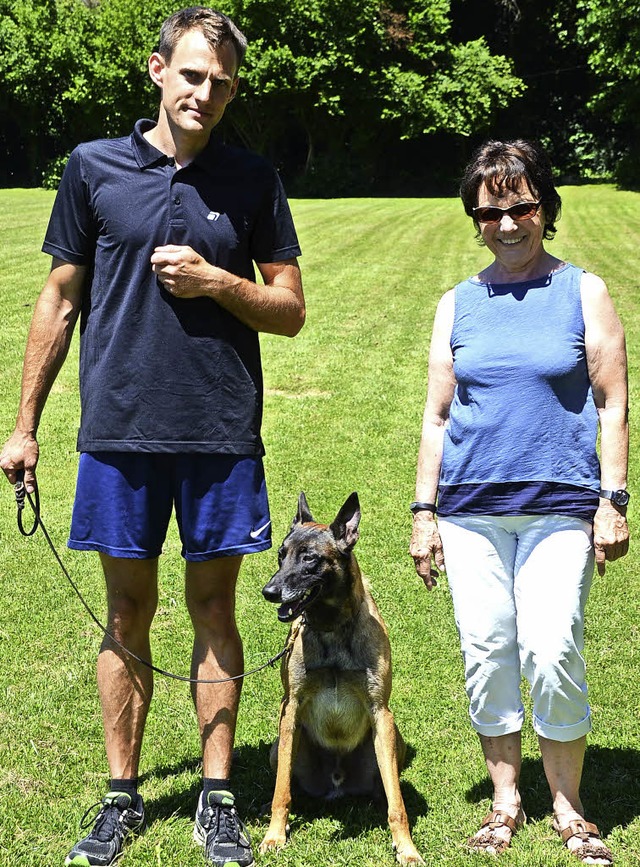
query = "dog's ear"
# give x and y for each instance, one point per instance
(345, 526)
(303, 515)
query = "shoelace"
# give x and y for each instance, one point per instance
(106, 823)
(226, 819)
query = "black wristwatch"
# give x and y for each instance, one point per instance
(422, 507)
(619, 497)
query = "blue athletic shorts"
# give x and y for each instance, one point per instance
(124, 500)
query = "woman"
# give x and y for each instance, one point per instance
(526, 359)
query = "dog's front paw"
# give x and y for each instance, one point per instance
(408, 855)
(275, 838)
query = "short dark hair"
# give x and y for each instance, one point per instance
(504, 165)
(218, 29)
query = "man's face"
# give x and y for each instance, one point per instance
(196, 84)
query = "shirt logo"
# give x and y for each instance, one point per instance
(213, 215)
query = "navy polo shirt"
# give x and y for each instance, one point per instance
(158, 373)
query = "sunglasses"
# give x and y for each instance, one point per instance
(521, 211)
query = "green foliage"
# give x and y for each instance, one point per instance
(324, 73)
(333, 89)
(40, 44)
(457, 99)
(343, 409)
(611, 30)
(118, 89)
(539, 37)
(69, 72)
(346, 67)
(41, 70)
(52, 175)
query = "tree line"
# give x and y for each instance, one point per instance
(346, 97)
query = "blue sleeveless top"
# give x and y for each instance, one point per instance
(521, 436)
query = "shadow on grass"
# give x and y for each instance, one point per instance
(253, 782)
(610, 788)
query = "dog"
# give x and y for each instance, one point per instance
(337, 735)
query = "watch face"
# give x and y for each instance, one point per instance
(620, 498)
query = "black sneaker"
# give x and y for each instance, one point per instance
(117, 819)
(220, 830)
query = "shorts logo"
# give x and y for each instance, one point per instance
(256, 533)
(213, 215)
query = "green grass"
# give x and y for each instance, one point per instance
(343, 407)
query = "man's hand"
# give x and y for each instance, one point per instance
(426, 546)
(183, 272)
(610, 534)
(20, 452)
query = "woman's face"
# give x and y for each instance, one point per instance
(515, 244)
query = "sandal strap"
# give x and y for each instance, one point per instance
(498, 818)
(579, 828)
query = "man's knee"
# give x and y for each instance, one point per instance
(215, 612)
(132, 594)
(129, 615)
(210, 592)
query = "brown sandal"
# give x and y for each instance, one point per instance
(486, 840)
(587, 832)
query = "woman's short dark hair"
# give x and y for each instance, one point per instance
(217, 28)
(503, 166)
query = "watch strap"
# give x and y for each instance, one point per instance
(417, 506)
(620, 497)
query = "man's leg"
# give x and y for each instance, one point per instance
(126, 686)
(223, 513)
(217, 653)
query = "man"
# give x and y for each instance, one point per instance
(153, 239)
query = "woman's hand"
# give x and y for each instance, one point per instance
(610, 534)
(426, 548)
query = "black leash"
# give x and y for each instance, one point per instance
(23, 495)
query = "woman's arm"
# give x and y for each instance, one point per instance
(425, 538)
(607, 365)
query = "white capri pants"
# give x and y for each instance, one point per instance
(520, 586)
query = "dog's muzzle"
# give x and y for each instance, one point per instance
(290, 606)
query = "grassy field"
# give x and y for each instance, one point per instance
(343, 408)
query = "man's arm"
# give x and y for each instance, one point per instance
(607, 363)
(277, 307)
(52, 325)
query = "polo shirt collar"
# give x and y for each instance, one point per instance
(147, 155)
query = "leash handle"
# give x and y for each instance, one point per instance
(21, 494)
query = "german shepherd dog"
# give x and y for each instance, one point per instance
(336, 734)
